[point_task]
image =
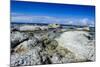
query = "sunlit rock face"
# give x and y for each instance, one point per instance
(78, 43)
(31, 57)
(37, 47)
(29, 28)
(32, 28)
(17, 38)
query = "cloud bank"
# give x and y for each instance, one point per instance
(15, 17)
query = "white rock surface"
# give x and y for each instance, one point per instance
(71, 46)
(26, 45)
(17, 36)
(76, 42)
(29, 58)
(44, 27)
(29, 28)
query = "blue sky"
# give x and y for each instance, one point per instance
(49, 13)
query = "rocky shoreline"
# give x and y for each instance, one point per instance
(36, 45)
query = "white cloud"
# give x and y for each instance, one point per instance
(84, 21)
(21, 19)
(48, 19)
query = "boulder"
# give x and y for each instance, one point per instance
(77, 43)
(29, 58)
(44, 27)
(26, 45)
(29, 28)
(17, 38)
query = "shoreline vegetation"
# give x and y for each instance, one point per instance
(51, 44)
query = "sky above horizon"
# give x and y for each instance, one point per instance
(36, 12)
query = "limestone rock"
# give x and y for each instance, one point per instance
(76, 42)
(29, 28)
(17, 38)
